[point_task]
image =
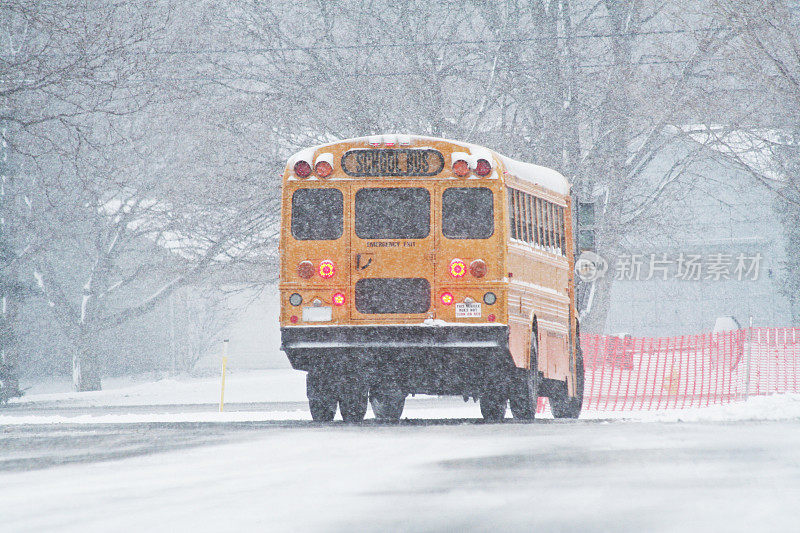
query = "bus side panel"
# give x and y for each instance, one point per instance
(519, 316)
(557, 361)
(518, 338)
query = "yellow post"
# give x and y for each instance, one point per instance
(224, 364)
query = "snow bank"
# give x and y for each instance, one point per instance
(195, 400)
(273, 385)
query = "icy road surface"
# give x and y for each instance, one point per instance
(109, 461)
(549, 476)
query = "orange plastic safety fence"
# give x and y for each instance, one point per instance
(634, 373)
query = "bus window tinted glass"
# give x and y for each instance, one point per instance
(393, 213)
(467, 213)
(317, 214)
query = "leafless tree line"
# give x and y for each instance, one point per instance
(147, 138)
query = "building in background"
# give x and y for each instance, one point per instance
(722, 216)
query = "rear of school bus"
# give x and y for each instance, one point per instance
(392, 276)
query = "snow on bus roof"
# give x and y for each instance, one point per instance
(546, 177)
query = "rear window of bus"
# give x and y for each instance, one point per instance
(467, 213)
(317, 214)
(393, 213)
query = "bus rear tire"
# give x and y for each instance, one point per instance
(387, 402)
(321, 399)
(353, 394)
(524, 397)
(493, 408)
(494, 400)
(353, 404)
(562, 404)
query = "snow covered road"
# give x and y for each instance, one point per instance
(159, 457)
(550, 475)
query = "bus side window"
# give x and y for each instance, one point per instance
(556, 231)
(511, 213)
(548, 228)
(542, 236)
(525, 199)
(526, 216)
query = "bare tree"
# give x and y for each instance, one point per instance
(119, 212)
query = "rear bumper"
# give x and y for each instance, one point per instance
(427, 358)
(324, 339)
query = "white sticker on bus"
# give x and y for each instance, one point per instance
(317, 314)
(472, 310)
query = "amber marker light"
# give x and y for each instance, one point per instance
(327, 269)
(446, 298)
(338, 299)
(457, 268)
(461, 168)
(323, 169)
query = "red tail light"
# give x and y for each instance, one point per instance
(327, 269)
(293, 319)
(483, 167)
(323, 169)
(477, 268)
(338, 299)
(461, 168)
(457, 268)
(446, 298)
(302, 169)
(491, 318)
(305, 269)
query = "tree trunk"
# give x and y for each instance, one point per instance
(613, 154)
(86, 366)
(595, 319)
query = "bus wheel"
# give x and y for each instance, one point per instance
(494, 398)
(321, 399)
(561, 403)
(524, 395)
(353, 400)
(387, 402)
(493, 408)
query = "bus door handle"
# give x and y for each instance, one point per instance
(358, 262)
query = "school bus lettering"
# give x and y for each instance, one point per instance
(392, 162)
(390, 244)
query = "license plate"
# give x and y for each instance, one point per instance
(472, 310)
(317, 314)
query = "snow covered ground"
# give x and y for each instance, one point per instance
(247, 392)
(285, 389)
(151, 456)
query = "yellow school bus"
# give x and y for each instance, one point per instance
(418, 265)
